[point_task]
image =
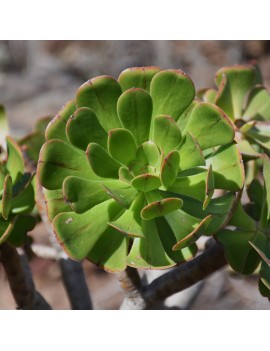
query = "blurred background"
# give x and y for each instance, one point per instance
(38, 77)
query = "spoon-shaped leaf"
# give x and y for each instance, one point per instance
(130, 223)
(137, 77)
(149, 253)
(170, 168)
(146, 182)
(210, 126)
(135, 112)
(83, 127)
(59, 160)
(172, 92)
(191, 153)
(148, 154)
(57, 127)
(238, 251)
(166, 133)
(122, 146)
(258, 104)
(100, 95)
(101, 163)
(234, 83)
(78, 233)
(228, 168)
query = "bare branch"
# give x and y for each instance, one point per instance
(75, 284)
(184, 276)
(131, 285)
(20, 280)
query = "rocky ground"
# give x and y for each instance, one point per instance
(38, 77)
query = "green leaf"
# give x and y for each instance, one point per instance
(258, 104)
(260, 134)
(166, 133)
(265, 274)
(110, 251)
(6, 228)
(101, 163)
(122, 193)
(256, 196)
(122, 146)
(190, 153)
(169, 168)
(148, 154)
(146, 182)
(263, 289)
(135, 112)
(160, 208)
(55, 203)
(7, 197)
(191, 184)
(78, 233)
(124, 175)
(192, 237)
(247, 150)
(83, 194)
(32, 144)
(169, 240)
(137, 77)
(220, 208)
(100, 94)
(207, 95)
(241, 219)
(149, 253)
(23, 224)
(130, 223)
(24, 201)
(228, 168)
(238, 251)
(234, 83)
(182, 225)
(261, 254)
(14, 165)
(59, 160)
(210, 126)
(22, 183)
(4, 128)
(84, 128)
(184, 118)
(57, 127)
(172, 92)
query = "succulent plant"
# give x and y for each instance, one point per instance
(130, 168)
(16, 191)
(243, 97)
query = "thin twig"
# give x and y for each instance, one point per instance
(20, 280)
(131, 285)
(185, 275)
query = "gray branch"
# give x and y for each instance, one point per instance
(184, 276)
(20, 280)
(75, 284)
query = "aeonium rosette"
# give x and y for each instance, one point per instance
(130, 168)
